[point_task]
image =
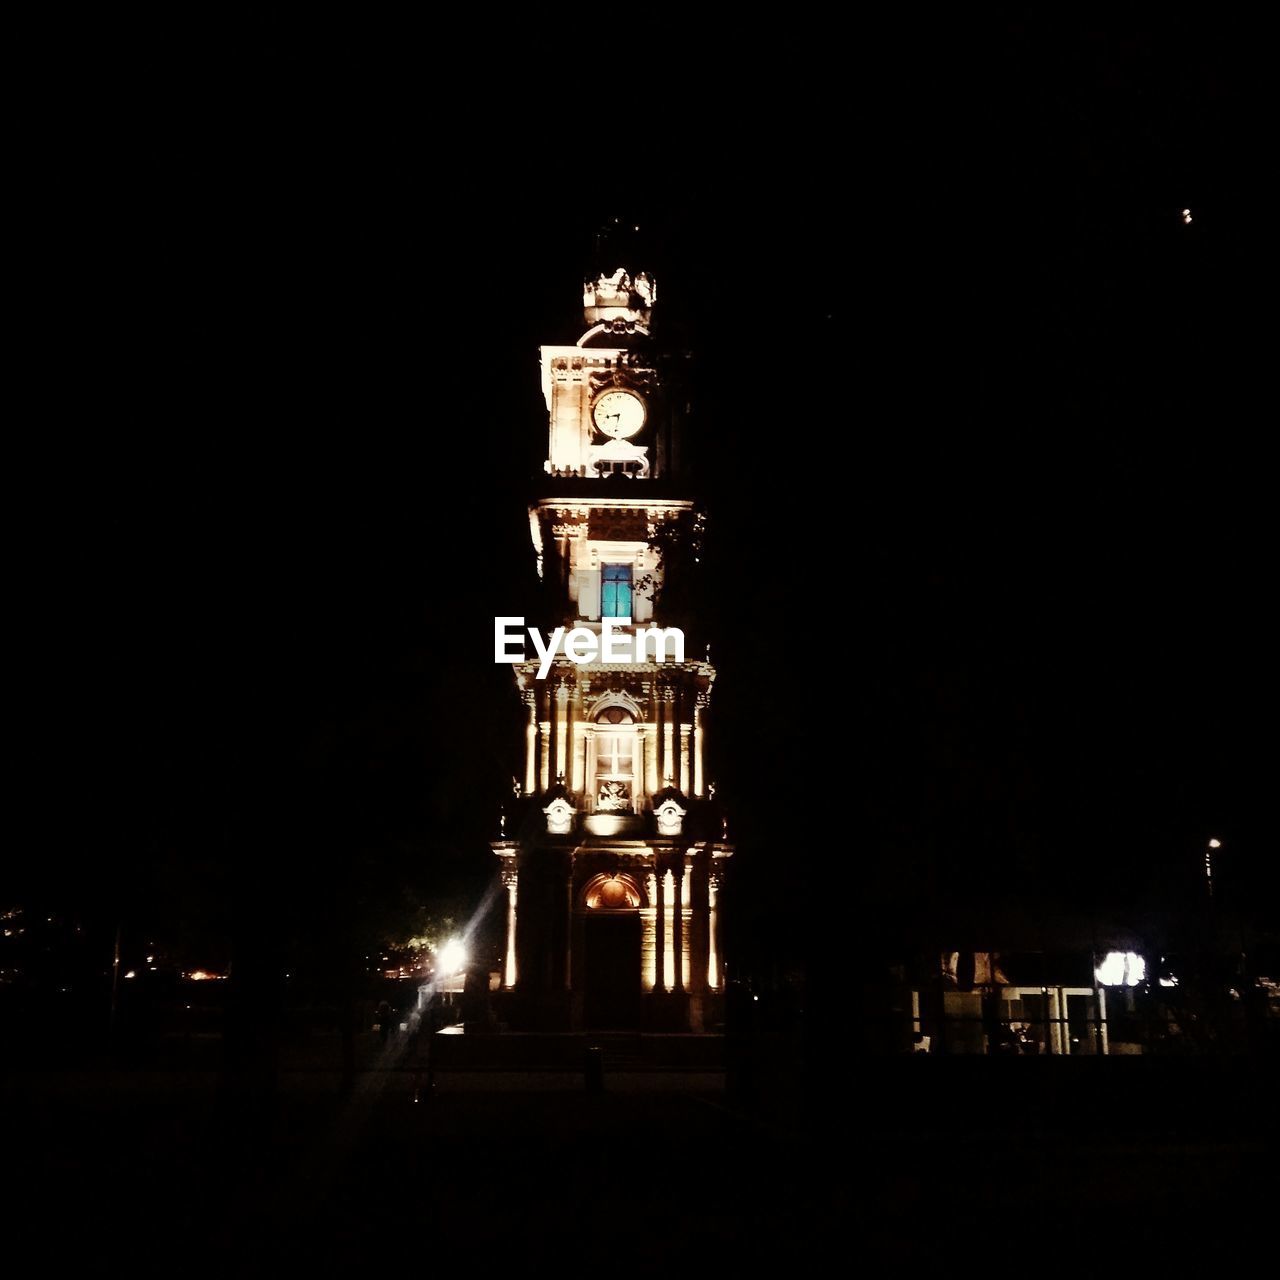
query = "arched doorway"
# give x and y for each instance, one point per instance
(611, 935)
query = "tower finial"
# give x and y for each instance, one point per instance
(619, 290)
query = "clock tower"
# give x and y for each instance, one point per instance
(614, 858)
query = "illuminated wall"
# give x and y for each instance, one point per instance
(603, 741)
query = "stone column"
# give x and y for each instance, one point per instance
(509, 879)
(670, 762)
(660, 920)
(677, 923)
(531, 747)
(661, 735)
(652, 781)
(568, 930)
(686, 962)
(571, 778)
(698, 735)
(553, 714)
(685, 731)
(713, 926)
(649, 937)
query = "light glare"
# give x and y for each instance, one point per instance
(453, 955)
(1121, 969)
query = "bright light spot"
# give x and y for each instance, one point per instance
(1215, 844)
(1186, 217)
(203, 975)
(131, 974)
(756, 998)
(1168, 982)
(1121, 969)
(150, 959)
(453, 955)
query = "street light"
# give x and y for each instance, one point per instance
(453, 955)
(1208, 862)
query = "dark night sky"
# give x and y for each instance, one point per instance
(273, 485)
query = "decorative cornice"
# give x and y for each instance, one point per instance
(578, 509)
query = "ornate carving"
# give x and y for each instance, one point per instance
(559, 817)
(610, 891)
(619, 697)
(670, 817)
(633, 375)
(617, 525)
(614, 796)
(620, 290)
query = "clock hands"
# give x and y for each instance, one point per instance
(618, 414)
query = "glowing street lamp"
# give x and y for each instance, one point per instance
(1208, 862)
(453, 955)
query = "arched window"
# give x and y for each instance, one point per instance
(615, 760)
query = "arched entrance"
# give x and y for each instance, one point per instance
(611, 935)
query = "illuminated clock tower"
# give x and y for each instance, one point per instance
(615, 856)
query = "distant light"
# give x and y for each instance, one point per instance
(453, 955)
(1186, 217)
(1215, 844)
(131, 974)
(150, 959)
(756, 998)
(203, 975)
(1168, 982)
(1121, 969)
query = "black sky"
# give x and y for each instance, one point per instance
(950, 329)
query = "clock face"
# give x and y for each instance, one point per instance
(618, 413)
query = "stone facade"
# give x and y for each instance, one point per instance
(616, 853)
